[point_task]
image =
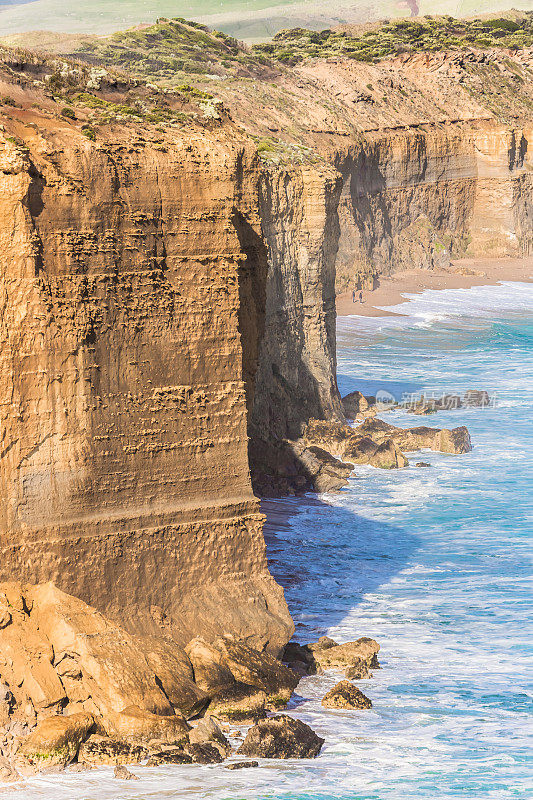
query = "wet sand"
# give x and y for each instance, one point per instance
(462, 274)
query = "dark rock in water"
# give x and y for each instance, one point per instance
(349, 654)
(346, 695)
(328, 474)
(241, 765)
(124, 774)
(281, 737)
(209, 732)
(477, 398)
(204, 753)
(358, 670)
(80, 766)
(301, 668)
(422, 464)
(240, 703)
(175, 756)
(324, 643)
(98, 750)
(256, 668)
(296, 652)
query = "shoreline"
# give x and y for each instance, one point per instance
(463, 273)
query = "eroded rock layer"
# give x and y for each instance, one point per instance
(169, 268)
(124, 475)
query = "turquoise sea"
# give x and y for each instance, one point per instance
(435, 563)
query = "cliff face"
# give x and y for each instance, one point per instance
(296, 375)
(124, 472)
(417, 197)
(167, 294)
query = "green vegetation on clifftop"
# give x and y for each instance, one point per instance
(171, 47)
(428, 34)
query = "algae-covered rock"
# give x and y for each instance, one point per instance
(281, 737)
(346, 695)
(55, 741)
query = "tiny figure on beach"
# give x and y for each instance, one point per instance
(353, 296)
(360, 297)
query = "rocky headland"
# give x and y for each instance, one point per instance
(172, 245)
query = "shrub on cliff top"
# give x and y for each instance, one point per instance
(428, 34)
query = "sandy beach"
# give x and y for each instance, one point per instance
(462, 274)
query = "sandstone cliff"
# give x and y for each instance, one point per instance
(124, 473)
(170, 259)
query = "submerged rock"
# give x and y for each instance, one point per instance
(349, 654)
(346, 695)
(358, 670)
(281, 737)
(170, 756)
(241, 765)
(208, 731)
(124, 774)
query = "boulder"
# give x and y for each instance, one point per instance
(8, 773)
(239, 703)
(257, 669)
(204, 753)
(26, 656)
(281, 737)
(211, 672)
(387, 456)
(349, 654)
(140, 725)
(324, 643)
(55, 741)
(422, 464)
(354, 404)
(208, 731)
(174, 756)
(346, 695)
(327, 435)
(115, 670)
(455, 441)
(98, 750)
(358, 670)
(124, 774)
(295, 652)
(327, 473)
(443, 440)
(241, 765)
(175, 673)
